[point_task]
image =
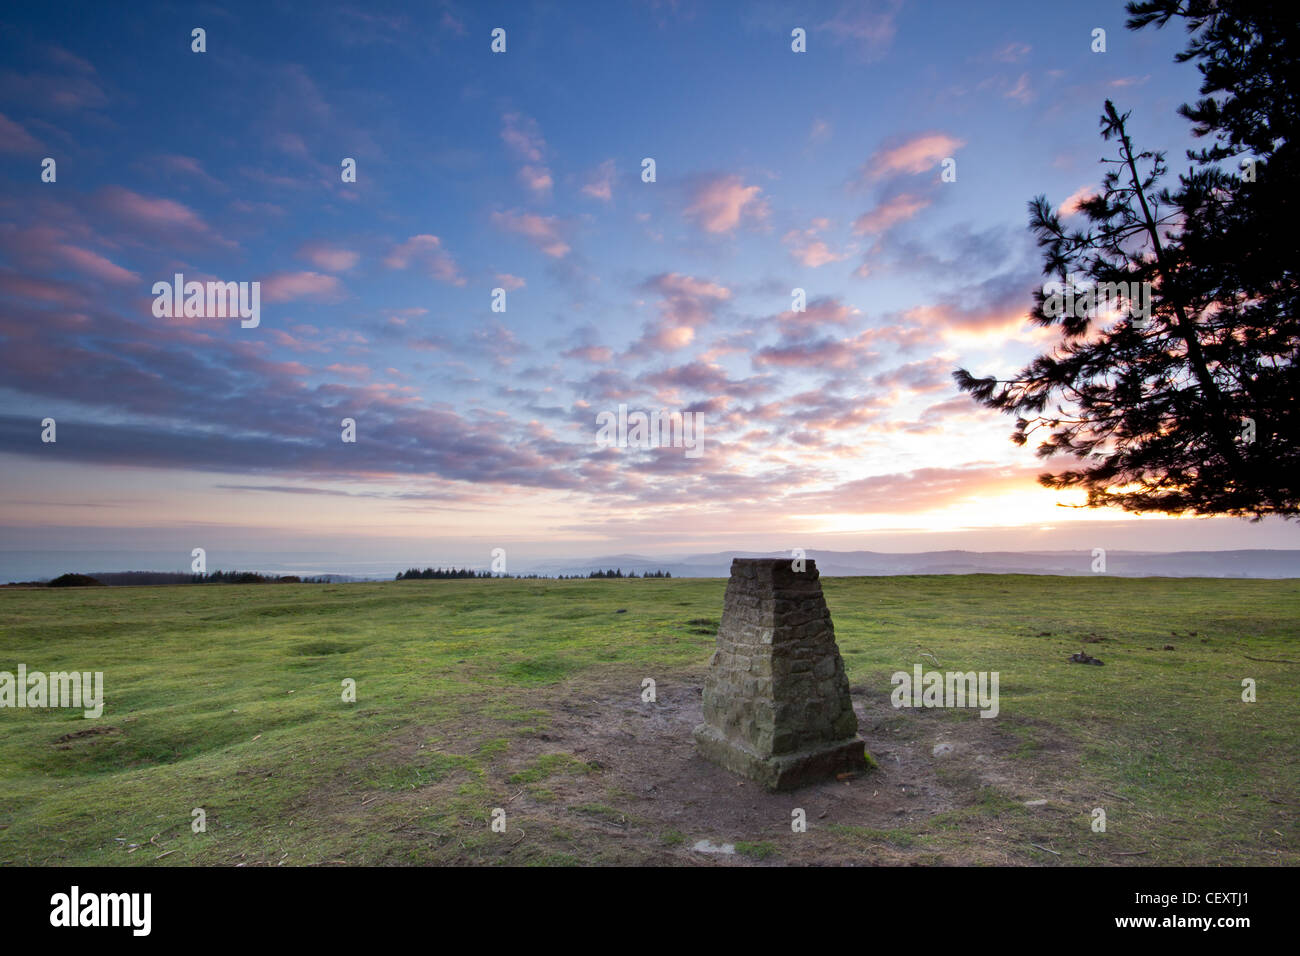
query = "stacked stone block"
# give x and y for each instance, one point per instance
(776, 698)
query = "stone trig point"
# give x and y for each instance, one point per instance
(776, 698)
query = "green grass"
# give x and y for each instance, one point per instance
(229, 698)
(756, 851)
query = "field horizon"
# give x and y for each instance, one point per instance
(1275, 563)
(526, 696)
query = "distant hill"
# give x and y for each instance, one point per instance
(147, 578)
(75, 581)
(1177, 564)
(1257, 563)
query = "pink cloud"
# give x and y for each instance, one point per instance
(600, 185)
(163, 212)
(596, 354)
(428, 251)
(806, 248)
(59, 55)
(914, 156)
(96, 265)
(499, 342)
(536, 178)
(740, 343)
(509, 282)
(280, 337)
(718, 205)
(698, 377)
(42, 248)
(1021, 92)
(523, 136)
(996, 322)
(54, 91)
(450, 22)
(259, 209)
(687, 303)
(40, 290)
(1012, 52)
(1072, 202)
(821, 353)
(189, 166)
(292, 144)
(867, 23)
(670, 337)
(327, 257)
(163, 216)
(542, 231)
(961, 407)
(820, 312)
(15, 139)
(815, 254)
(889, 214)
(673, 285)
(923, 489)
(287, 286)
(926, 375)
(352, 371)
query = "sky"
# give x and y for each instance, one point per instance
(835, 427)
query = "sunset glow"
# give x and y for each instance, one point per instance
(828, 423)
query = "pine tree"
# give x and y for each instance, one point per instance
(1190, 409)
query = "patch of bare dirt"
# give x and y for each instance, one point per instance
(88, 732)
(648, 798)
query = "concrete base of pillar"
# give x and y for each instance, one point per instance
(782, 771)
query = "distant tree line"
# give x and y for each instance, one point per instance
(428, 574)
(611, 573)
(74, 581)
(618, 573)
(251, 577)
(136, 578)
(415, 574)
(141, 578)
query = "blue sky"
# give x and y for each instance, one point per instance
(775, 170)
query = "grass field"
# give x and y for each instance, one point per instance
(526, 696)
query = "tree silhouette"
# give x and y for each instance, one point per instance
(1188, 406)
